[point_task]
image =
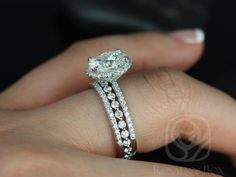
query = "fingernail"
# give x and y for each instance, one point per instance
(195, 36)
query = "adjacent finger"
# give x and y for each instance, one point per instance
(65, 74)
(109, 167)
(31, 161)
(165, 104)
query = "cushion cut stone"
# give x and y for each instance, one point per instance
(109, 65)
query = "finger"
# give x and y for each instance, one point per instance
(31, 161)
(120, 168)
(65, 74)
(109, 167)
(165, 104)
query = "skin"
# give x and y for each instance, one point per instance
(53, 124)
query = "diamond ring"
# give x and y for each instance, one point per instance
(105, 69)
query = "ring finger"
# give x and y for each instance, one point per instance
(156, 99)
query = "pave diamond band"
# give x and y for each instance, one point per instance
(119, 117)
(105, 69)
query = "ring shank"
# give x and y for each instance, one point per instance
(119, 116)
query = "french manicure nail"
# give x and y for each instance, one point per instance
(195, 36)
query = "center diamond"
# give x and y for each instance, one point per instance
(109, 65)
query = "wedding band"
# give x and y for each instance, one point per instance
(106, 69)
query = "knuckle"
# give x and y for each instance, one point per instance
(168, 85)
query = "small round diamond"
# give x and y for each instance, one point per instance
(126, 157)
(122, 124)
(127, 142)
(111, 114)
(124, 134)
(117, 131)
(119, 142)
(132, 136)
(127, 114)
(103, 83)
(107, 88)
(111, 96)
(131, 126)
(115, 104)
(126, 150)
(114, 126)
(119, 114)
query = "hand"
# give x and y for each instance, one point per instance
(52, 124)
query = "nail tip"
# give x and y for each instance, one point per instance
(200, 35)
(189, 36)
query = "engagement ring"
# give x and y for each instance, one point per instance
(105, 69)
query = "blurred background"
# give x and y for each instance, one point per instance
(32, 31)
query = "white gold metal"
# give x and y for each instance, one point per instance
(105, 69)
